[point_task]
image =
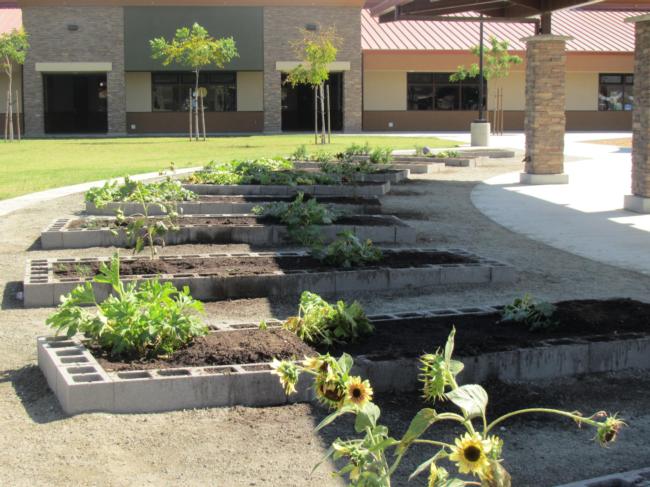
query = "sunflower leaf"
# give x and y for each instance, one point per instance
(499, 476)
(449, 346)
(471, 398)
(336, 414)
(425, 465)
(329, 453)
(422, 420)
(368, 416)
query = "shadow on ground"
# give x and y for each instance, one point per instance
(34, 394)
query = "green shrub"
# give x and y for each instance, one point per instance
(137, 322)
(322, 156)
(348, 251)
(535, 315)
(357, 150)
(419, 150)
(447, 154)
(300, 154)
(381, 155)
(160, 192)
(321, 323)
(300, 217)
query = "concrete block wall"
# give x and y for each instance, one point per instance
(99, 38)
(281, 26)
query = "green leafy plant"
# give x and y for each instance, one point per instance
(348, 251)
(447, 154)
(371, 458)
(13, 51)
(536, 315)
(321, 323)
(300, 217)
(135, 321)
(419, 150)
(166, 191)
(357, 150)
(322, 156)
(381, 155)
(142, 230)
(300, 154)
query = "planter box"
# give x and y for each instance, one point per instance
(81, 385)
(344, 190)
(42, 287)
(380, 229)
(478, 152)
(214, 205)
(633, 478)
(391, 173)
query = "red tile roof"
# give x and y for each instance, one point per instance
(593, 31)
(10, 17)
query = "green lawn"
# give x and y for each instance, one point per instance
(35, 165)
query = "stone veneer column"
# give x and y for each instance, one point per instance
(545, 120)
(99, 38)
(281, 26)
(639, 200)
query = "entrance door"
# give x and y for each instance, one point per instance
(75, 103)
(298, 105)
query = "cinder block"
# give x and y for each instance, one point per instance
(38, 295)
(317, 282)
(361, 280)
(405, 235)
(499, 365)
(82, 239)
(393, 375)
(557, 360)
(464, 274)
(379, 234)
(257, 388)
(51, 239)
(608, 355)
(503, 274)
(413, 277)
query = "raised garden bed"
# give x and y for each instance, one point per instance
(263, 274)
(391, 174)
(232, 365)
(212, 205)
(355, 190)
(75, 233)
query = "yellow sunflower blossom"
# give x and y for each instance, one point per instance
(313, 363)
(331, 393)
(359, 392)
(437, 476)
(470, 455)
(288, 373)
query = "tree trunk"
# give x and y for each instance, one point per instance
(203, 119)
(329, 116)
(190, 112)
(10, 115)
(315, 115)
(323, 137)
(196, 107)
(18, 115)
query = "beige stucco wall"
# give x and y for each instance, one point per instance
(138, 92)
(250, 91)
(514, 91)
(384, 90)
(582, 91)
(4, 83)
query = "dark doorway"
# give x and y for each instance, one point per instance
(75, 103)
(298, 105)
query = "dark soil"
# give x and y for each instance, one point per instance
(220, 348)
(250, 266)
(360, 220)
(486, 333)
(409, 338)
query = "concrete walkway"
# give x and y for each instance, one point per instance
(584, 217)
(20, 202)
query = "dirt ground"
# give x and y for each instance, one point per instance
(276, 447)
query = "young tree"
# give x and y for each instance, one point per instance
(13, 49)
(317, 50)
(196, 49)
(497, 62)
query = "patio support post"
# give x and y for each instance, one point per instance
(545, 120)
(639, 200)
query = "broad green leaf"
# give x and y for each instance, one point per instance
(426, 465)
(499, 478)
(368, 416)
(336, 414)
(419, 424)
(471, 398)
(449, 346)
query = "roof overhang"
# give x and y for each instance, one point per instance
(394, 10)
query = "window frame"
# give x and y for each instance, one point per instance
(627, 91)
(436, 83)
(207, 79)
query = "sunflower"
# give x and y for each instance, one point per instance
(608, 430)
(359, 392)
(288, 373)
(329, 392)
(469, 454)
(313, 363)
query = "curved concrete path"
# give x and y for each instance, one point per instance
(584, 217)
(20, 202)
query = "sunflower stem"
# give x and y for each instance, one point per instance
(575, 417)
(432, 442)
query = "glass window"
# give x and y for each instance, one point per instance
(171, 91)
(616, 92)
(434, 91)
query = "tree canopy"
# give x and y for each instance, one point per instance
(317, 50)
(496, 62)
(13, 48)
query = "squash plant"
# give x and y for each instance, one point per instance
(142, 321)
(371, 458)
(169, 190)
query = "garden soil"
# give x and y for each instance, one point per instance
(276, 447)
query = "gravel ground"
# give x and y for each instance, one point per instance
(276, 446)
